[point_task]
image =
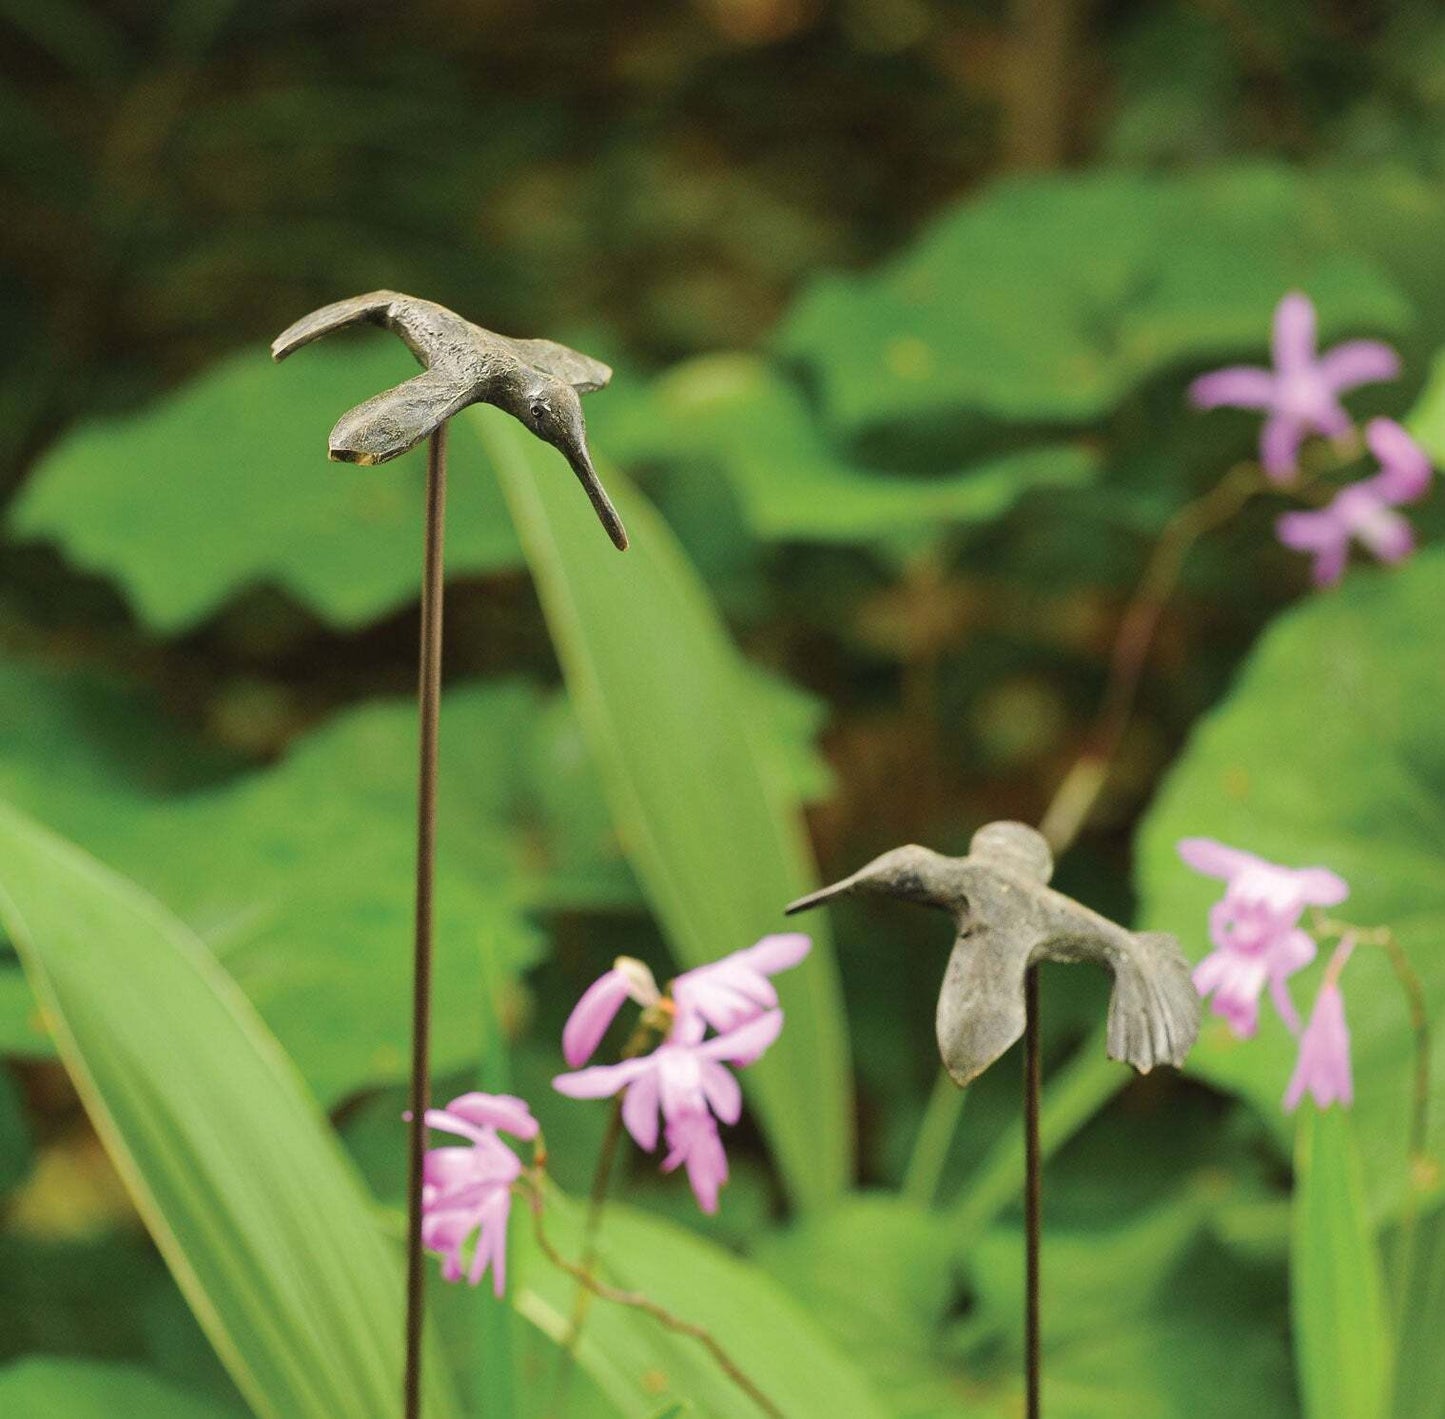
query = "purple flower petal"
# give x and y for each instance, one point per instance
(1292, 341)
(748, 1042)
(504, 1111)
(1356, 362)
(1236, 387)
(1279, 442)
(724, 1094)
(693, 1139)
(780, 952)
(592, 1014)
(1405, 468)
(1319, 887)
(1215, 859)
(1323, 1066)
(639, 1110)
(600, 1081)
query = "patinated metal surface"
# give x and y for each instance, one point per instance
(536, 381)
(1008, 919)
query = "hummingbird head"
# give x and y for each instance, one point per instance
(916, 874)
(551, 409)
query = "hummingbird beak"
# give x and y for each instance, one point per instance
(823, 894)
(575, 451)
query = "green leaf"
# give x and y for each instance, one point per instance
(309, 903)
(241, 1182)
(737, 413)
(15, 1141)
(22, 1030)
(223, 486)
(1427, 418)
(688, 766)
(1419, 1385)
(1342, 1340)
(1328, 751)
(995, 314)
(45, 1388)
(636, 1361)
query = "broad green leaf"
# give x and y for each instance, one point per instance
(1342, 1340)
(1427, 419)
(300, 876)
(1328, 750)
(223, 485)
(636, 1361)
(737, 413)
(1419, 1381)
(1047, 300)
(234, 1168)
(714, 834)
(46, 1388)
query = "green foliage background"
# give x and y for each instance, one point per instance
(903, 296)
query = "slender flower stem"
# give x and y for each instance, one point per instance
(1074, 800)
(584, 1277)
(1033, 1194)
(1384, 939)
(651, 1028)
(429, 703)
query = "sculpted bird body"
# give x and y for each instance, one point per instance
(538, 382)
(1009, 919)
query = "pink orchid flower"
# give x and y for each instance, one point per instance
(1323, 1066)
(1364, 511)
(468, 1191)
(723, 994)
(736, 989)
(683, 1080)
(1255, 930)
(1301, 394)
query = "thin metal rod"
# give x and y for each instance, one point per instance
(1033, 1215)
(429, 694)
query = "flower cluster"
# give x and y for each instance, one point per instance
(682, 1088)
(467, 1191)
(1301, 395)
(1258, 943)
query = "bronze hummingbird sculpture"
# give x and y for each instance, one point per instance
(1008, 919)
(536, 381)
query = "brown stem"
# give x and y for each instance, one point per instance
(1075, 798)
(1033, 1194)
(429, 703)
(647, 1305)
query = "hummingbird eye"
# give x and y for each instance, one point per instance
(538, 408)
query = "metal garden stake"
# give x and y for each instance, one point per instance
(539, 383)
(1008, 920)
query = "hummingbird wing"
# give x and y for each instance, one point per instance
(396, 420)
(373, 307)
(981, 1002)
(572, 367)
